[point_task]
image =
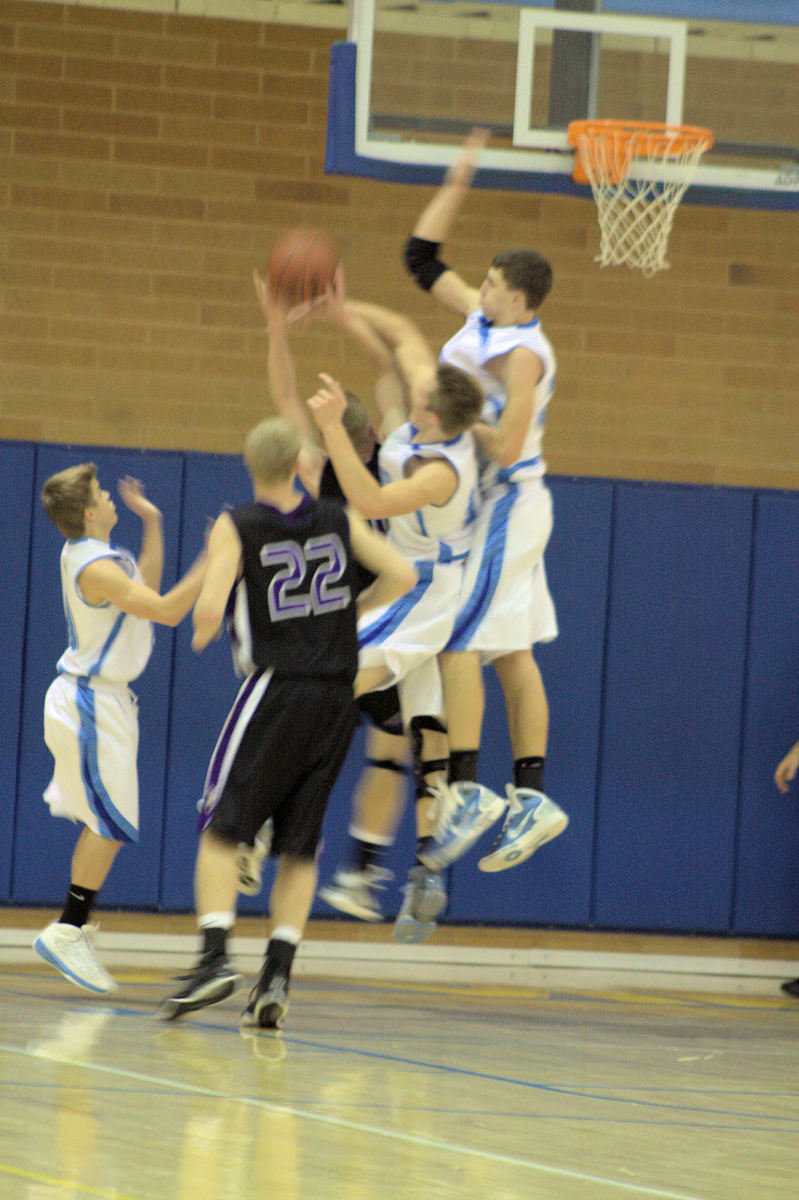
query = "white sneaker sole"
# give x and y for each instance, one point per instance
(519, 851)
(342, 901)
(437, 858)
(50, 957)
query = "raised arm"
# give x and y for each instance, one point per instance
(283, 383)
(151, 556)
(433, 482)
(411, 351)
(431, 229)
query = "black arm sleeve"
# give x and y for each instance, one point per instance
(422, 261)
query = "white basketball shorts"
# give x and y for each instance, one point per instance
(92, 732)
(403, 635)
(505, 601)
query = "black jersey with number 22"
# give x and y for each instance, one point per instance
(294, 605)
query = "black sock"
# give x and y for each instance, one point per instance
(529, 773)
(214, 940)
(366, 854)
(280, 956)
(463, 766)
(77, 906)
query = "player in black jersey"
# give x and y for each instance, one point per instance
(290, 562)
(381, 794)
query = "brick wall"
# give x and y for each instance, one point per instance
(149, 160)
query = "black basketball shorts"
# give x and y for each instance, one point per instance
(279, 755)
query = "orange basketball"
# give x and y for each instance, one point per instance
(302, 264)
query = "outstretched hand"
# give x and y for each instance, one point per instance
(328, 403)
(329, 305)
(461, 173)
(272, 308)
(131, 492)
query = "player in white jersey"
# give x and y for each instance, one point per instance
(90, 714)
(506, 605)
(428, 493)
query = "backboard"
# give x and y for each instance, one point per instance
(411, 80)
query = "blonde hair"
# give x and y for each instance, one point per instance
(66, 496)
(271, 450)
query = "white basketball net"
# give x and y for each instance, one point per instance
(638, 177)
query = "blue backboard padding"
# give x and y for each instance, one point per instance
(554, 886)
(204, 685)
(341, 157)
(675, 650)
(43, 846)
(767, 891)
(16, 479)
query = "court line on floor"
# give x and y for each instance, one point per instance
(374, 1130)
(51, 1181)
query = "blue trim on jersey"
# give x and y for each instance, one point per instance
(504, 473)
(473, 611)
(110, 821)
(395, 614)
(94, 669)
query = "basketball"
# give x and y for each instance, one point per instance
(302, 264)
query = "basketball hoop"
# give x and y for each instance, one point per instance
(638, 172)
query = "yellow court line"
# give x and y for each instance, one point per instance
(72, 1184)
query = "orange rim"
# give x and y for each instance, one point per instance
(648, 137)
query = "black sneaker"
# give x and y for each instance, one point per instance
(268, 1002)
(791, 988)
(212, 979)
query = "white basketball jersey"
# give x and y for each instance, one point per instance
(473, 347)
(104, 643)
(436, 532)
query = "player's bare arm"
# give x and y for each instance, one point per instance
(224, 564)
(520, 371)
(431, 482)
(786, 771)
(283, 383)
(433, 227)
(151, 557)
(395, 575)
(105, 582)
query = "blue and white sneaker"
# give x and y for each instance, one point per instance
(468, 809)
(71, 951)
(532, 819)
(425, 899)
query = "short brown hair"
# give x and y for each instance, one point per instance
(525, 271)
(67, 495)
(457, 401)
(271, 449)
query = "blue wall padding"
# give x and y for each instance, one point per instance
(555, 885)
(767, 880)
(675, 652)
(203, 685)
(16, 474)
(673, 690)
(43, 846)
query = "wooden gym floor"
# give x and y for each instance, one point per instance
(396, 1089)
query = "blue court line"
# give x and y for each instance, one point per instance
(387, 1134)
(462, 1072)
